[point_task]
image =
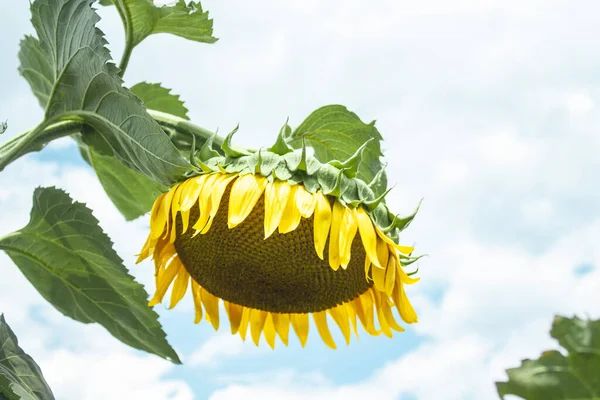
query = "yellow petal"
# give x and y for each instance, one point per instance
(257, 323)
(401, 249)
(235, 313)
(291, 215)
(282, 326)
(204, 202)
(305, 202)
(402, 276)
(276, 198)
(185, 219)
(300, 325)
(348, 227)
(389, 316)
(322, 222)
(334, 235)
(390, 275)
(197, 301)
(270, 331)
(165, 281)
(321, 322)
(378, 278)
(405, 309)
(352, 316)
(158, 216)
(211, 304)
(218, 189)
(340, 316)
(368, 235)
(368, 317)
(383, 323)
(179, 287)
(146, 250)
(244, 323)
(191, 192)
(245, 192)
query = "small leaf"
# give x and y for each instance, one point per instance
(87, 88)
(336, 134)
(20, 376)
(142, 19)
(556, 377)
(67, 257)
(3, 127)
(160, 98)
(131, 192)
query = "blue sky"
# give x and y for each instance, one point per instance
(489, 110)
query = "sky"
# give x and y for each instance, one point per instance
(489, 110)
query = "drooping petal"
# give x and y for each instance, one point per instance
(276, 198)
(291, 215)
(191, 191)
(322, 222)
(305, 202)
(282, 326)
(257, 323)
(401, 249)
(320, 319)
(334, 235)
(197, 301)
(245, 192)
(403, 305)
(348, 227)
(390, 275)
(340, 316)
(159, 215)
(300, 325)
(211, 305)
(204, 202)
(244, 323)
(235, 313)
(179, 287)
(165, 281)
(269, 330)
(383, 322)
(368, 235)
(218, 189)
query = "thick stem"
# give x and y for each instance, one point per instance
(184, 130)
(125, 58)
(35, 140)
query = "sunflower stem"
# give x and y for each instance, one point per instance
(184, 130)
(35, 140)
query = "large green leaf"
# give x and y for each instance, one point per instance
(20, 376)
(142, 19)
(87, 88)
(131, 192)
(67, 257)
(35, 66)
(336, 134)
(157, 97)
(554, 376)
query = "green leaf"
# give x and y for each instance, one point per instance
(156, 97)
(20, 376)
(336, 134)
(3, 127)
(67, 257)
(142, 19)
(131, 192)
(554, 376)
(36, 68)
(87, 88)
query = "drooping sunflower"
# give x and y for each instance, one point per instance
(277, 236)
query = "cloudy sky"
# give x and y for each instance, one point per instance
(489, 110)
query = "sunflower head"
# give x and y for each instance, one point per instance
(276, 236)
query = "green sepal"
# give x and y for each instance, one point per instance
(416, 271)
(207, 151)
(406, 261)
(372, 204)
(350, 192)
(269, 161)
(193, 161)
(227, 148)
(297, 161)
(281, 147)
(403, 223)
(281, 172)
(377, 180)
(330, 179)
(350, 166)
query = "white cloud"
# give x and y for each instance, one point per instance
(579, 103)
(217, 349)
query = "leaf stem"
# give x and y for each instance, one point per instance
(35, 140)
(124, 14)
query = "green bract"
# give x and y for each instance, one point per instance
(334, 178)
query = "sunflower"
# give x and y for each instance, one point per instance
(276, 236)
